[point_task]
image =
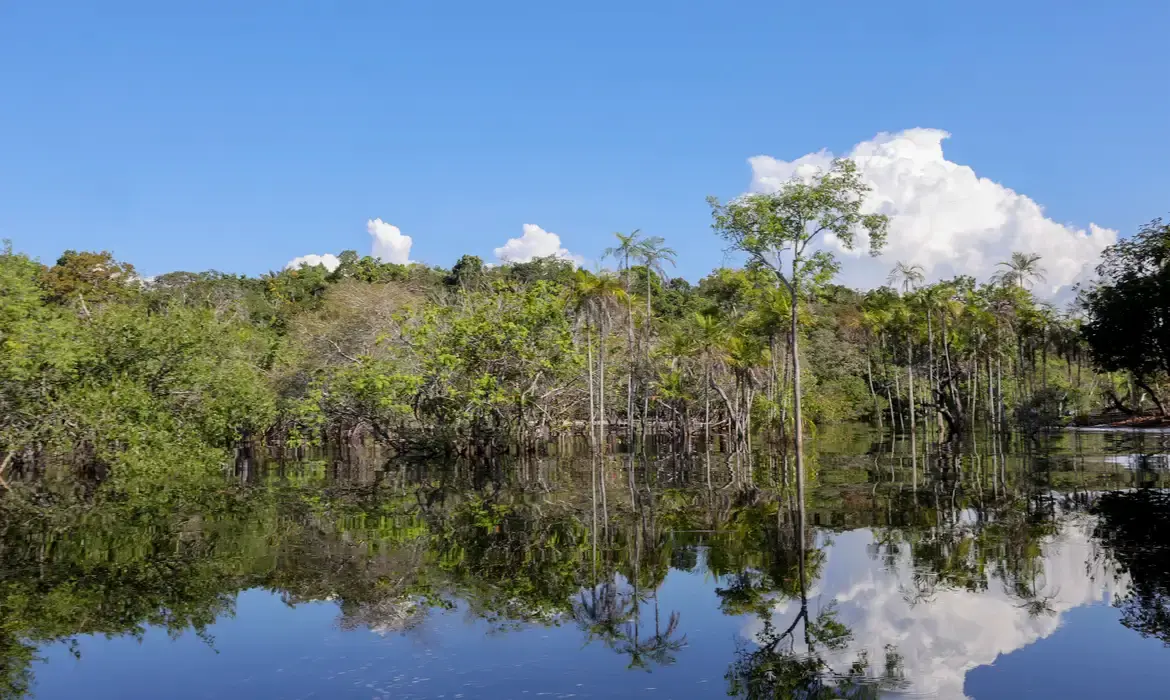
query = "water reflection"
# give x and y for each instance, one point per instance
(899, 572)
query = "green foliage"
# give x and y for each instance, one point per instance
(486, 359)
(142, 392)
(1127, 323)
(89, 278)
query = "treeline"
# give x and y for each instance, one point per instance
(104, 369)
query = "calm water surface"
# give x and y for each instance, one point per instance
(1000, 568)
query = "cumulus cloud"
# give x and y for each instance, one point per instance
(389, 244)
(943, 216)
(535, 242)
(329, 260)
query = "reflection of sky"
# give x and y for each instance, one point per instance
(270, 650)
(941, 639)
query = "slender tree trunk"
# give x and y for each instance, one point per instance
(601, 428)
(784, 386)
(873, 394)
(889, 396)
(974, 384)
(647, 339)
(950, 370)
(707, 407)
(999, 405)
(898, 393)
(798, 426)
(1044, 358)
(630, 355)
(990, 393)
(910, 369)
(592, 414)
(930, 352)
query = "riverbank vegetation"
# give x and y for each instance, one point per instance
(104, 370)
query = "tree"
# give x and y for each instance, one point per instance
(1022, 269)
(768, 227)
(88, 277)
(629, 246)
(1127, 313)
(467, 273)
(598, 295)
(653, 252)
(906, 278)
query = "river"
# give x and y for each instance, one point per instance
(1022, 567)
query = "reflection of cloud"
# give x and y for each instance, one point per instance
(941, 639)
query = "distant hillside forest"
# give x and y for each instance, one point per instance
(105, 369)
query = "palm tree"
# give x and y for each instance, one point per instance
(1022, 269)
(906, 278)
(653, 252)
(628, 247)
(903, 314)
(599, 294)
(710, 336)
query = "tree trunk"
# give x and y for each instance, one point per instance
(869, 376)
(1153, 396)
(1044, 358)
(910, 369)
(707, 407)
(947, 357)
(592, 414)
(601, 427)
(898, 393)
(646, 376)
(798, 426)
(630, 357)
(930, 348)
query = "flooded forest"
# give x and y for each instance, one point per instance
(366, 479)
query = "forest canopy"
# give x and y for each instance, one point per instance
(106, 370)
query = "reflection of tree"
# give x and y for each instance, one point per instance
(1134, 529)
(788, 662)
(775, 669)
(520, 546)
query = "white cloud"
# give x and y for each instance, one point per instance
(389, 244)
(943, 216)
(329, 260)
(534, 243)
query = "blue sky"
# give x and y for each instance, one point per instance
(238, 135)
